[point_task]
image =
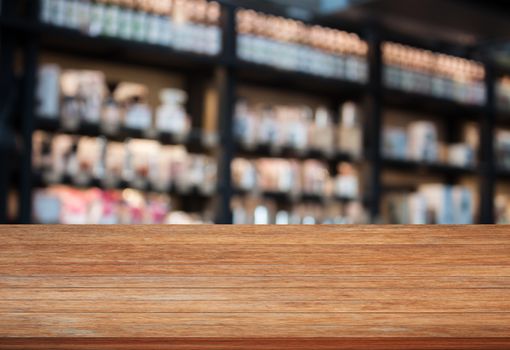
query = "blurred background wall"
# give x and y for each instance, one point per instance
(287, 112)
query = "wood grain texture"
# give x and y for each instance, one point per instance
(247, 287)
(254, 343)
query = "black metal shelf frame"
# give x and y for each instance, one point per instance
(293, 198)
(192, 192)
(227, 71)
(193, 141)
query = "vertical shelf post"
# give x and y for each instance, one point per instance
(7, 99)
(27, 128)
(30, 62)
(373, 123)
(225, 79)
(195, 88)
(487, 166)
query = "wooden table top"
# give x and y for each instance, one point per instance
(254, 287)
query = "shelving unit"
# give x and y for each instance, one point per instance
(270, 77)
(291, 198)
(286, 152)
(428, 168)
(192, 193)
(503, 174)
(22, 31)
(193, 141)
(434, 105)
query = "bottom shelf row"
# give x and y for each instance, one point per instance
(62, 204)
(430, 204)
(270, 209)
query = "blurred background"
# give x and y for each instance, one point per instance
(282, 111)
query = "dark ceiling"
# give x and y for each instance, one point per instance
(464, 22)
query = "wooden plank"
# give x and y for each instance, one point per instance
(255, 343)
(161, 287)
(246, 234)
(315, 254)
(268, 270)
(444, 305)
(259, 294)
(256, 324)
(457, 282)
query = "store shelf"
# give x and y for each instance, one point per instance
(402, 188)
(267, 151)
(31, 35)
(17, 24)
(503, 118)
(119, 50)
(503, 174)
(128, 51)
(272, 77)
(427, 168)
(293, 198)
(290, 198)
(192, 193)
(193, 142)
(73, 41)
(436, 106)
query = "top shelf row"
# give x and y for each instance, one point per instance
(276, 51)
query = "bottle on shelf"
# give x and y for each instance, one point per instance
(322, 132)
(502, 209)
(82, 93)
(394, 142)
(350, 133)
(346, 182)
(423, 142)
(503, 94)
(111, 114)
(138, 113)
(171, 115)
(502, 148)
(48, 92)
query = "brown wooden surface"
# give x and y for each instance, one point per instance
(246, 287)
